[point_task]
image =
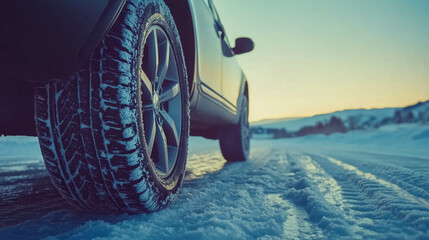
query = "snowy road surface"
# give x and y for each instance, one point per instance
(287, 190)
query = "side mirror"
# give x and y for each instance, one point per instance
(243, 45)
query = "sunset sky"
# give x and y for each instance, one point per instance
(315, 57)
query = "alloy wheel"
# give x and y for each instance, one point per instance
(161, 101)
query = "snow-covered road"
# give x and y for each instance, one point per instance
(287, 190)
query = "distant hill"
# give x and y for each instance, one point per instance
(274, 120)
(363, 114)
(415, 113)
(343, 121)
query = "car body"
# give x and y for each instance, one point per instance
(116, 87)
(39, 42)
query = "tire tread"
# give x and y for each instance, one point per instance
(92, 152)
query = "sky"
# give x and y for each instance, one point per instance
(314, 57)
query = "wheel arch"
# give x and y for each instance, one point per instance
(181, 12)
(244, 92)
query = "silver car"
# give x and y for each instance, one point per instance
(119, 86)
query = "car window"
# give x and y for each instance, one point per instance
(217, 18)
(212, 7)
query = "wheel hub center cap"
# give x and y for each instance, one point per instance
(156, 101)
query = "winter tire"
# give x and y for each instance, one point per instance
(114, 135)
(235, 139)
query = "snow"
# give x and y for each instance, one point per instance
(370, 184)
(400, 139)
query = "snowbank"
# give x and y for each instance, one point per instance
(409, 139)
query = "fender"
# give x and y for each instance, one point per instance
(244, 91)
(45, 39)
(41, 40)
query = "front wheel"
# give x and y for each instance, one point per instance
(114, 135)
(235, 139)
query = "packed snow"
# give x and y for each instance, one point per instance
(360, 185)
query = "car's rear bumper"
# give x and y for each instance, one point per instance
(44, 39)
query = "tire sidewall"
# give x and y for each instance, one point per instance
(156, 13)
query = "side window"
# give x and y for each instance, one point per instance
(217, 18)
(212, 7)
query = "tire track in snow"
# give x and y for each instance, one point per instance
(378, 205)
(268, 170)
(372, 177)
(354, 207)
(347, 203)
(406, 172)
(319, 195)
(296, 225)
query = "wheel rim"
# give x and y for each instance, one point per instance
(161, 101)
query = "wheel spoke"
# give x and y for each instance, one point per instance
(161, 144)
(170, 129)
(160, 106)
(170, 93)
(146, 86)
(150, 130)
(164, 51)
(147, 107)
(153, 57)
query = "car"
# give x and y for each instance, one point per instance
(116, 88)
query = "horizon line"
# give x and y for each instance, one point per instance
(340, 110)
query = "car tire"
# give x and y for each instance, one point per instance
(235, 139)
(114, 135)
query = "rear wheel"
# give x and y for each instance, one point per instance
(114, 135)
(235, 139)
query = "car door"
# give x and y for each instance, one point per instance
(209, 50)
(231, 70)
